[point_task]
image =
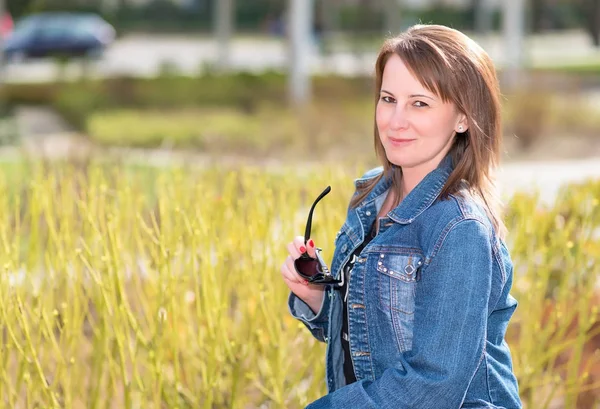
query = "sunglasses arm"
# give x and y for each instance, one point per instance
(310, 213)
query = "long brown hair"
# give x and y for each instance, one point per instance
(456, 69)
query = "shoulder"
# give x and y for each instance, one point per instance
(466, 237)
(368, 176)
(460, 221)
(459, 207)
(459, 212)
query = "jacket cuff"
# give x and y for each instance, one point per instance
(301, 311)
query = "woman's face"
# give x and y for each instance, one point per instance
(415, 126)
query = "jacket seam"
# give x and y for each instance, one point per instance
(440, 241)
(494, 240)
(487, 381)
(497, 248)
(500, 266)
(451, 224)
(481, 359)
(368, 175)
(367, 329)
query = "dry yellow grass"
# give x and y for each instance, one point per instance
(128, 288)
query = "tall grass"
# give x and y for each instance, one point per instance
(122, 288)
(556, 332)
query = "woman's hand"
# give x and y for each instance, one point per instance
(309, 293)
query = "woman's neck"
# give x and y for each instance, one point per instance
(409, 181)
(411, 177)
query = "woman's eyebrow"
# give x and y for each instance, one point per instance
(412, 95)
(421, 96)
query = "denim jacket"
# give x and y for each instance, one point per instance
(428, 305)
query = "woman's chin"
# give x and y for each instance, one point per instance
(400, 160)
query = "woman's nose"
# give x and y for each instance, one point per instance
(399, 118)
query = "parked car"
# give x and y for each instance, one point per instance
(59, 34)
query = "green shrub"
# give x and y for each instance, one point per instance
(342, 109)
(344, 131)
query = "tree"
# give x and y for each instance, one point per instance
(482, 15)
(329, 15)
(2, 12)
(537, 15)
(18, 8)
(591, 9)
(513, 22)
(391, 15)
(224, 18)
(300, 16)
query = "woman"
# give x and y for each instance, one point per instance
(420, 320)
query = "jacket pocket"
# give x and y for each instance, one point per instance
(398, 275)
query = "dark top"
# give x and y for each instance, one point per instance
(348, 367)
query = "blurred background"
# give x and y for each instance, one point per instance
(112, 292)
(274, 79)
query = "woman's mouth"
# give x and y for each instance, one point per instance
(400, 141)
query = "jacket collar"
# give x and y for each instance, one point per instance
(424, 194)
(419, 199)
(382, 185)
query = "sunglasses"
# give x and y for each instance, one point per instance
(314, 269)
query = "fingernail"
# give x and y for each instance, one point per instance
(302, 249)
(311, 243)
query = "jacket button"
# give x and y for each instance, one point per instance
(368, 213)
(344, 248)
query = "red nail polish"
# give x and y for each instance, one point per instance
(302, 249)
(311, 243)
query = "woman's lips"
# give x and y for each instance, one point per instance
(400, 141)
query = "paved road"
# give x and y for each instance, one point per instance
(547, 177)
(143, 55)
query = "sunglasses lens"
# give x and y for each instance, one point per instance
(307, 267)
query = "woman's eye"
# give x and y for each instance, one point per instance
(387, 99)
(420, 104)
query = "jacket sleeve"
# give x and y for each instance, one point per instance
(449, 336)
(316, 323)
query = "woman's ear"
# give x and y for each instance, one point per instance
(462, 124)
